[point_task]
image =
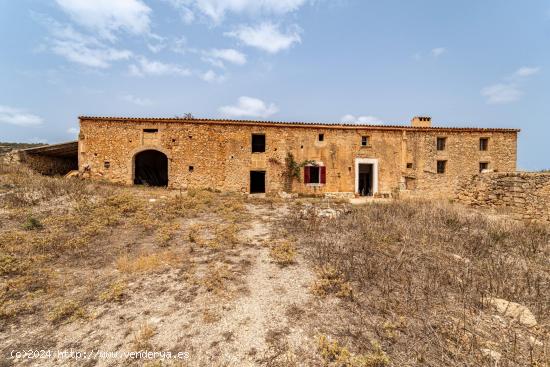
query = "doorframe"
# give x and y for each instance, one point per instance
(374, 163)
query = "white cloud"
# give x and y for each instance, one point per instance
(16, 116)
(362, 120)
(73, 131)
(217, 9)
(436, 52)
(525, 71)
(267, 36)
(501, 93)
(212, 77)
(229, 55)
(250, 107)
(136, 100)
(81, 49)
(107, 17)
(156, 68)
(510, 90)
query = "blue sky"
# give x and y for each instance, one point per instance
(465, 63)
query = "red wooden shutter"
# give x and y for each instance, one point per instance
(323, 174)
(306, 174)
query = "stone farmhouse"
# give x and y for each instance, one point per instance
(418, 160)
(252, 156)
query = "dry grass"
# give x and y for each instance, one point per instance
(142, 338)
(422, 275)
(146, 263)
(283, 253)
(114, 293)
(330, 281)
(336, 355)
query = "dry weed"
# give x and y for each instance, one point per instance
(142, 338)
(146, 263)
(283, 253)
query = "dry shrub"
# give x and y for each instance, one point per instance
(283, 253)
(216, 278)
(227, 235)
(337, 355)
(435, 266)
(68, 310)
(330, 281)
(146, 263)
(166, 233)
(142, 338)
(115, 293)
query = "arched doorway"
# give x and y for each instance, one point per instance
(151, 168)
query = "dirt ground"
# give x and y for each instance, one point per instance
(91, 272)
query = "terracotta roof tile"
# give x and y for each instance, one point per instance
(294, 124)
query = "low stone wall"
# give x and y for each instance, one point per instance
(522, 195)
(45, 165)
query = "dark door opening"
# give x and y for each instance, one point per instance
(365, 179)
(151, 168)
(257, 182)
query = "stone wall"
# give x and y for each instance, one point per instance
(523, 195)
(45, 165)
(221, 157)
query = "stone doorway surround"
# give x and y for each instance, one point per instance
(374, 163)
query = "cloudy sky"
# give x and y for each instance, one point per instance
(465, 63)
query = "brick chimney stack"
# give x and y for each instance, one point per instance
(421, 121)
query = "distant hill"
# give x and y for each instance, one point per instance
(8, 147)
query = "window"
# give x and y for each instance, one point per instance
(191, 168)
(441, 142)
(106, 164)
(483, 166)
(258, 143)
(364, 141)
(484, 144)
(321, 137)
(315, 174)
(151, 131)
(409, 165)
(441, 166)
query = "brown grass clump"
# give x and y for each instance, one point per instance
(336, 355)
(330, 281)
(146, 263)
(216, 278)
(283, 253)
(142, 338)
(66, 310)
(115, 293)
(435, 267)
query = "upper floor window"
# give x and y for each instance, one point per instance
(441, 143)
(483, 166)
(441, 166)
(364, 141)
(484, 144)
(321, 137)
(258, 143)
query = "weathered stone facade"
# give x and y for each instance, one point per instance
(523, 195)
(217, 154)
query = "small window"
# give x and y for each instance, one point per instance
(314, 174)
(364, 141)
(150, 131)
(106, 164)
(321, 137)
(483, 166)
(484, 144)
(409, 165)
(258, 143)
(441, 142)
(441, 166)
(173, 140)
(191, 168)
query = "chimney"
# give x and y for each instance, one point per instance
(421, 121)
